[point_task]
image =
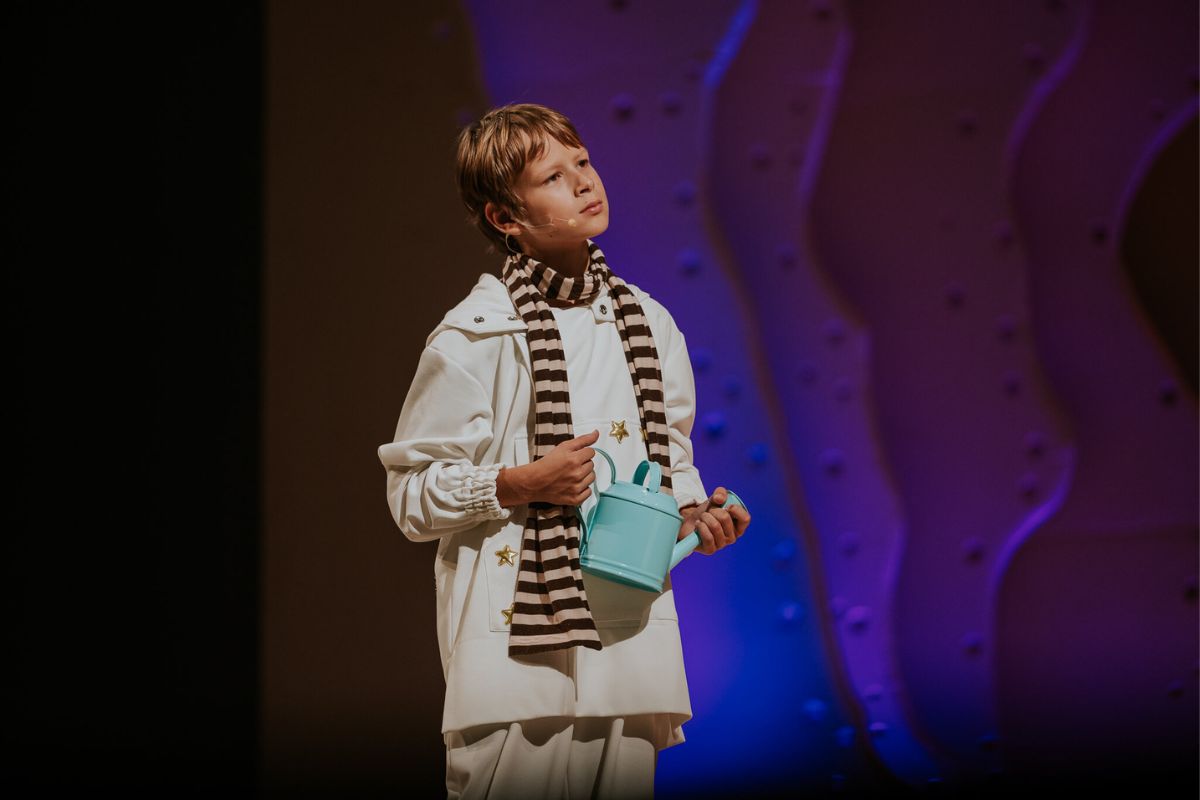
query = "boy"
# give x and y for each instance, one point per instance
(557, 682)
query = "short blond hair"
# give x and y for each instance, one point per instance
(492, 152)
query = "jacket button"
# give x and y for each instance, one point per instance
(479, 319)
(512, 316)
(603, 309)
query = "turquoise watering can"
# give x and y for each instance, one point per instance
(629, 534)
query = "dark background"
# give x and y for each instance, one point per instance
(134, 164)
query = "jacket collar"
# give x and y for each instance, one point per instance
(488, 309)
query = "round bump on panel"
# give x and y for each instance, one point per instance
(732, 386)
(670, 102)
(968, 124)
(714, 424)
(815, 709)
(784, 551)
(821, 9)
(685, 193)
(758, 454)
(618, 5)
(1175, 689)
(1168, 392)
(1006, 327)
(1028, 485)
(858, 619)
(622, 107)
(1191, 589)
(1012, 383)
(1099, 232)
(790, 613)
(838, 606)
(848, 544)
(689, 262)
(785, 254)
(842, 390)
(1003, 234)
(844, 735)
(832, 461)
(807, 372)
(956, 295)
(1035, 444)
(972, 644)
(973, 550)
(1034, 57)
(877, 729)
(701, 358)
(834, 332)
(872, 692)
(760, 157)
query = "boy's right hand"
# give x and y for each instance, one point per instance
(564, 476)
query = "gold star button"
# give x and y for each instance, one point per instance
(618, 431)
(507, 556)
(507, 614)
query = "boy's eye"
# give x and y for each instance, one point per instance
(583, 162)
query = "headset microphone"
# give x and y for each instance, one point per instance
(572, 222)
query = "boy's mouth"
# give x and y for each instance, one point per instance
(595, 206)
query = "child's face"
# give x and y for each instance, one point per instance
(557, 187)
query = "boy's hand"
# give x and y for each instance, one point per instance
(718, 527)
(564, 475)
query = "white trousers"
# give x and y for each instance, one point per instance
(556, 758)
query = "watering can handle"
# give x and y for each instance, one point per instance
(587, 525)
(687, 544)
(655, 471)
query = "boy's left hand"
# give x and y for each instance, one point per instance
(718, 527)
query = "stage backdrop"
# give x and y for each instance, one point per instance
(936, 265)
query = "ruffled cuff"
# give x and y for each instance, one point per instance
(477, 493)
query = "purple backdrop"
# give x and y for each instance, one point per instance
(898, 237)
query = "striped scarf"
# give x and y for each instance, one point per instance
(550, 609)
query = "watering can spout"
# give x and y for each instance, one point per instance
(687, 544)
(684, 548)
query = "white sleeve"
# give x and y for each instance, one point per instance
(435, 484)
(679, 395)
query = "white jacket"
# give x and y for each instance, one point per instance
(468, 413)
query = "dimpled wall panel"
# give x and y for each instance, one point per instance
(888, 231)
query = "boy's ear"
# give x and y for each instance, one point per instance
(501, 220)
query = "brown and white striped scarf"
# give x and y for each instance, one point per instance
(550, 608)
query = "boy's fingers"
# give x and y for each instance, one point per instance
(707, 543)
(721, 521)
(586, 439)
